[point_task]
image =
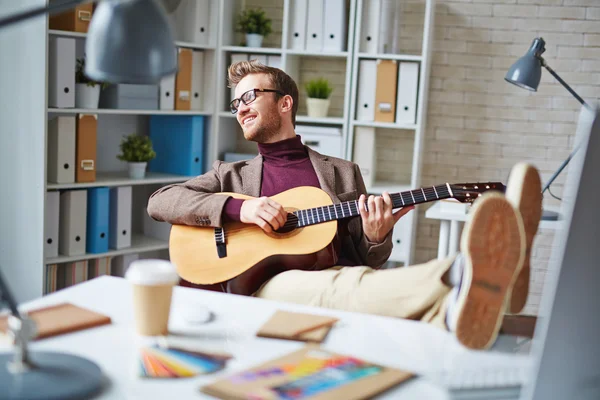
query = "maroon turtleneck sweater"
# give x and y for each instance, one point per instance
(286, 165)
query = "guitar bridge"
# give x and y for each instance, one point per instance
(220, 242)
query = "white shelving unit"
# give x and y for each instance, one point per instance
(404, 230)
(227, 134)
(222, 130)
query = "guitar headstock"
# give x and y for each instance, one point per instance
(468, 192)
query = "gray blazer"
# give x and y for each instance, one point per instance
(193, 203)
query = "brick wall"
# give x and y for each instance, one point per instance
(478, 125)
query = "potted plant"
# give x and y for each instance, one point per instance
(255, 24)
(137, 151)
(318, 92)
(87, 91)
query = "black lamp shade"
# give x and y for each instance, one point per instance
(526, 72)
(130, 42)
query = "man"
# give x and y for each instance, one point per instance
(467, 294)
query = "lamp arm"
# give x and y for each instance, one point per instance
(558, 78)
(51, 9)
(559, 170)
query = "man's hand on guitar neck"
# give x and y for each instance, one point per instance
(379, 220)
(264, 212)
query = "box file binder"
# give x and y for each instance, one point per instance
(52, 215)
(408, 84)
(369, 35)
(385, 93)
(365, 99)
(75, 272)
(87, 132)
(261, 58)
(298, 25)
(72, 222)
(235, 58)
(324, 140)
(127, 96)
(385, 39)
(314, 26)
(193, 21)
(98, 220)
(401, 237)
(180, 144)
(364, 153)
(334, 25)
(61, 150)
(274, 61)
(183, 80)
(76, 19)
(197, 80)
(167, 93)
(61, 72)
(120, 217)
(99, 267)
(120, 264)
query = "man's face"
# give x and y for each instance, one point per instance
(260, 120)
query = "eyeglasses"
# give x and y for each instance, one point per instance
(248, 97)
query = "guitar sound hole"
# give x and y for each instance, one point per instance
(290, 224)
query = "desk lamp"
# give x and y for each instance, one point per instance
(34, 375)
(526, 73)
(127, 41)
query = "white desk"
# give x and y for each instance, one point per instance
(414, 346)
(451, 224)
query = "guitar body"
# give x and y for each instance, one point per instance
(252, 254)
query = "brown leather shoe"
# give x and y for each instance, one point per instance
(493, 247)
(524, 192)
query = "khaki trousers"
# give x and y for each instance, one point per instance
(416, 292)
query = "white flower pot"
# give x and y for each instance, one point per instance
(87, 96)
(254, 40)
(137, 170)
(317, 108)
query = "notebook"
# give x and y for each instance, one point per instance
(309, 373)
(60, 319)
(297, 326)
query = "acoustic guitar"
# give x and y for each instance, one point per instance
(209, 255)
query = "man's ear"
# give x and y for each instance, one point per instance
(287, 103)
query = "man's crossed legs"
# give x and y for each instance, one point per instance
(467, 294)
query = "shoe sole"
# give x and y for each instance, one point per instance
(493, 243)
(524, 192)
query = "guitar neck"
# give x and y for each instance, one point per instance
(349, 209)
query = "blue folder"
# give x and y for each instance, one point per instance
(179, 142)
(98, 220)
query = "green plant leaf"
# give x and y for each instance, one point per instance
(254, 20)
(136, 148)
(318, 88)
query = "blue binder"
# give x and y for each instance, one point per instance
(179, 144)
(98, 220)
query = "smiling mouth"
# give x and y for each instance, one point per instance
(248, 119)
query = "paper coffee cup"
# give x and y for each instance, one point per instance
(152, 282)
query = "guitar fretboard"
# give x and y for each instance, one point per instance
(347, 209)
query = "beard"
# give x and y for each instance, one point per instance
(262, 131)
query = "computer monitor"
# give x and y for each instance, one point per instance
(566, 348)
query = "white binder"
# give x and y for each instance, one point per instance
(386, 26)
(298, 25)
(365, 99)
(73, 212)
(193, 21)
(236, 57)
(167, 90)
(52, 213)
(364, 153)
(61, 150)
(61, 72)
(314, 26)
(369, 35)
(120, 217)
(334, 25)
(321, 139)
(197, 80)
(401, 237)
(408, 83)
(274, 61)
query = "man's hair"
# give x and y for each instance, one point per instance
(279, 79)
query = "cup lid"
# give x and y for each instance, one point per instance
(152, 272)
